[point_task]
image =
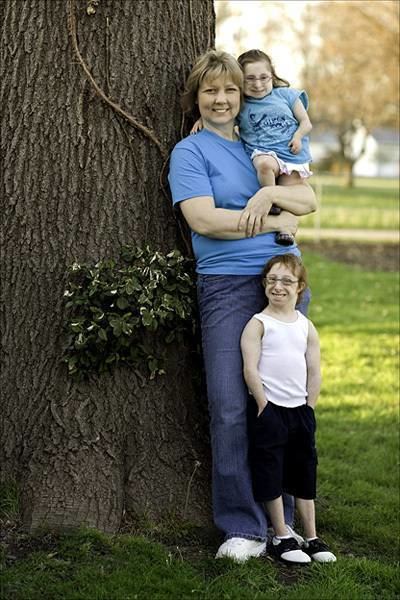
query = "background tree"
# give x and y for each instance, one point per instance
(235, 29)
(81, 180)
(351, 54)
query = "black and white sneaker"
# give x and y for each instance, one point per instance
(289, 551)
(318, 551)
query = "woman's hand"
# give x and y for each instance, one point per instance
(258, 207)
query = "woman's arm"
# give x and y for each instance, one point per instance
(298, 199)
(204, 218)
(313, 361)
(250, 345)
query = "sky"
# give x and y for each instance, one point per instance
(244, 31)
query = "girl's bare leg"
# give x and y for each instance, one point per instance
(283, 237)
(291, 179)
(267, 169)
(306, 509)
(275, 511)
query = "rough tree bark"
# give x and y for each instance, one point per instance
(79, 183)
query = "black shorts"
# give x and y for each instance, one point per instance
(283, 457)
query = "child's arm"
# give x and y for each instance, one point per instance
(313, 361)
(198, 126)
(250, 344)
(304, 127)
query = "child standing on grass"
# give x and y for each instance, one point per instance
(273, 125)
(281, 363)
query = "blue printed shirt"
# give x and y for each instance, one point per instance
(268, 124)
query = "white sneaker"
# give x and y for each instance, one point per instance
(240, 549)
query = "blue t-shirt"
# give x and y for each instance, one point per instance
(206, 164)
(269, 124)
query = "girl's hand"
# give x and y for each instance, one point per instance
(261, 407)
(257, 208)
(198, 126)
(295, 144)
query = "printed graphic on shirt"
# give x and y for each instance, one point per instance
(271, 126)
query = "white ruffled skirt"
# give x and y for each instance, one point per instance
(286, 168)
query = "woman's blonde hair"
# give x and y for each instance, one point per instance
(211, 65)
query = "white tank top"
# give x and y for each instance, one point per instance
(282, 366)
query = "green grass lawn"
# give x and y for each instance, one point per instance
(370, 204)
(356, 313)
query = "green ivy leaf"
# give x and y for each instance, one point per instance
(102, 334)
(170, 337)
(122, 303)
(147, 317)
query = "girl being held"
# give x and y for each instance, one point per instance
(273, 125)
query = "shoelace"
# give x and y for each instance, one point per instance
(239, 542)
(287, 544)
(318, 546)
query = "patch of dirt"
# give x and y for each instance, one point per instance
(16, 544)
(370, 256)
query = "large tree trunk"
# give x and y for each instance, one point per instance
(80, 182)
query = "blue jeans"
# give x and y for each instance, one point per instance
(226, 304)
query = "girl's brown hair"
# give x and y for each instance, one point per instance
(294, 264)
(252, 56)
(211, 65)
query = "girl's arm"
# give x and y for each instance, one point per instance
(250, 344)
(304, 127)
(298, 199)
(198, 126)
(204, 218)
(313, 361)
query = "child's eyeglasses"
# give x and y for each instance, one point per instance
(286, 281)
(263, 79)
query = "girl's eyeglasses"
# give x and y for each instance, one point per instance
(285, 281)
(263, 79)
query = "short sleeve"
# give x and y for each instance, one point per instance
(304, 98)
(188, 175)
(290, 95)
(293, 95)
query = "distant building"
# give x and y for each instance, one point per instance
(380, 159)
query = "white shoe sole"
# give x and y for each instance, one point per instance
(295, 557)
(323, 557)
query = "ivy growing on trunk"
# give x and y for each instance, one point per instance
(121, 310)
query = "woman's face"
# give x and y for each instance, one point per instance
(219, 102)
